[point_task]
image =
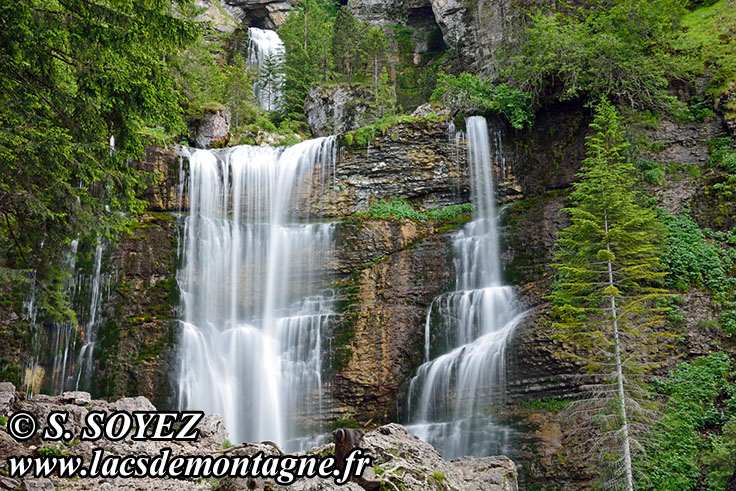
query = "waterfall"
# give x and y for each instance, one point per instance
(53, 364)
(254, 288)
(265, 46)
(452, 395)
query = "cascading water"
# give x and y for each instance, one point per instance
(253, 283)
(262, 45)
(451, 396)
(53, 364)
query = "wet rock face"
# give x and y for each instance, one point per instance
(408, 265)
(162, 163)
(135, 347)
(338, 108)
(212, 130)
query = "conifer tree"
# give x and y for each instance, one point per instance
(346, 42)
(270, 78)
(604, 300)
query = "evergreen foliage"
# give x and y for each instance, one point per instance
(73, 74)
(610, 270)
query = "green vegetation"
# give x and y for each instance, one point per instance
(394, 209)
(325, 43)
(470, 93)
(71, 77)
(52, 450)
(609, 275)
(619, 50)
(399, 209)
(709, 42)
(702, 258)
(437, 477)
(696, 436)
(550, 404)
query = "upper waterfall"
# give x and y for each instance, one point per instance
(265, 46)
(254, 287)
(451, 395)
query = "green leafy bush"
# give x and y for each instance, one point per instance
(469, 93)
(681, 438)
(449, 212)
(620, 50)
(394, 209)
(691, 259)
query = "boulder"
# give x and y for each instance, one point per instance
(409, 463)
(338, 108)
(212, 130)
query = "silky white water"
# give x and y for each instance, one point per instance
(262, 44)
(451, 396)
(253, 288)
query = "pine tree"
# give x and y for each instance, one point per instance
(346, 42)
(385, 95)
(605, 297)
(270, 78)
(376, 48)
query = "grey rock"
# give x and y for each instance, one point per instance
(37, 485)
(7, 387)
(410, 463)
(213, 129)
(212, 432)
(427, 108)
(77, 397)
(449, 16)
(6, 400)
(338, 108)
(217, 15)
(265, 14)
(131, 404)
(7, 483)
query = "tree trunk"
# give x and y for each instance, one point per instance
(732, 482)
(619, 374)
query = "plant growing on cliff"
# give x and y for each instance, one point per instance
(469, 93)
(609, 271)
(620, 50)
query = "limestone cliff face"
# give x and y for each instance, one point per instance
(398, 268)
(135, 346)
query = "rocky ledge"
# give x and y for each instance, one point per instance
(401, 461)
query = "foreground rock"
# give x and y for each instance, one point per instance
(401, 461)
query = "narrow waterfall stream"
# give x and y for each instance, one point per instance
(254, 279)
(61, 353)
(452, 394)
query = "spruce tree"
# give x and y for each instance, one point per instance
(604, 300)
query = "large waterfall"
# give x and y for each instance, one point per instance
(452, 395)
(265, 57)
(254, 288)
